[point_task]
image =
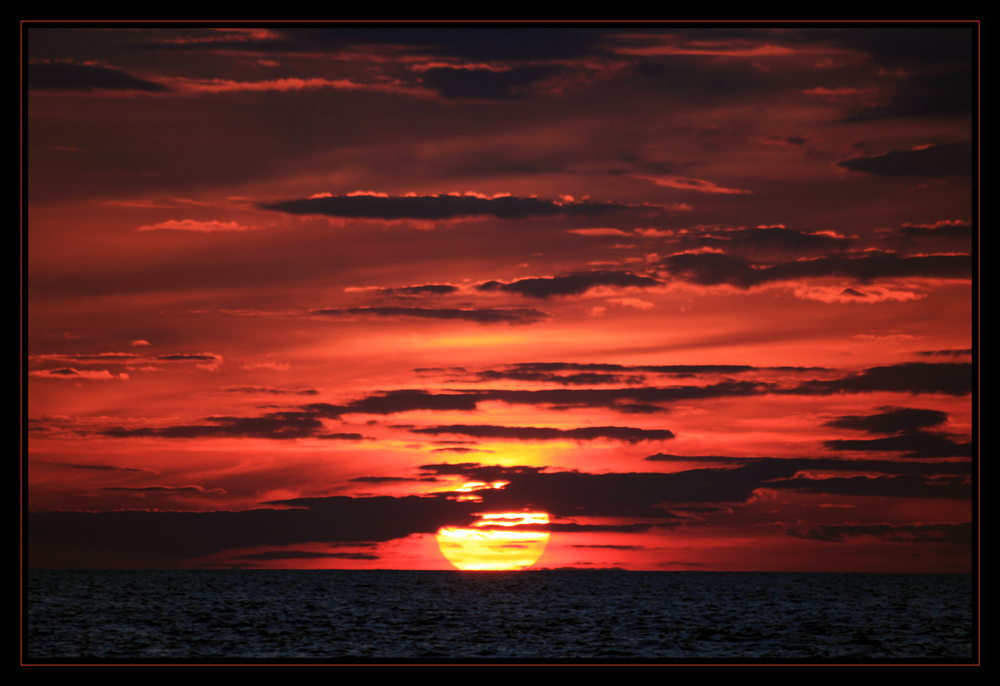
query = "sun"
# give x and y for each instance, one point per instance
(492, 545)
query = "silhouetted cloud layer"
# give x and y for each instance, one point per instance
(404, 400)
(430, 207)
(648, 494)
(713, 269)
(569, 284)
(902, 486)
(916, 444)
(481, 316)
(892, 420)
(913, 377)
(280, 425)
(957, 352)
(602, 373)
(955, 230)
(486, 84)
(477, 43)
(828, 464)
(306, 421)
(427, 289)
(148, 536)
(900, 533)
(769, 239)
(536, 433)
(305, 555)
(934, 161)
(86, 77)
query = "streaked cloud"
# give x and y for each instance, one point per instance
(194, 225)
(480, 316)
(686, 184)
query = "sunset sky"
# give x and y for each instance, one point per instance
(703, 296)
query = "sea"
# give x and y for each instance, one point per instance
(565, 616)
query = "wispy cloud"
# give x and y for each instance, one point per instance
(195, 225)
(686, 184)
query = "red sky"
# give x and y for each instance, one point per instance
(703, 295)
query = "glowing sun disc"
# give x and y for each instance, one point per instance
(495, 548)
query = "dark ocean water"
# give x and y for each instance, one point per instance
(437, 616)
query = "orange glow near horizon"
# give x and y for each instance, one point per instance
(480, 548)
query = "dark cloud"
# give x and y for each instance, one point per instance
(98, 467)
(917, 377)
(390, 479)
(486, 84)
(305, 555)
(527, 44)
(958, 352)
(163, 489)
(462, 450)
(610, 546)
(480, 472)
(286, 425)
(569, 284)
(593, 378)
(129, 358)
(569, 494)
(716, 459)
(635, 528)
(685, 370)
(578, 379)
(935, 161)
(428, 289)
(954, 230)
(279, 425)
(86, 77)
(271, 391)
(431, 207)
(477, 43)
(915, 444)
(960, 534)
(638, 408)
(899, 486)
(95, 538)
(892, 420)
(827, 464)
(713, 269)
(695, 77)
(927, 69)
(340, 437)
(929, 46)
(771, 239)
(948, 94)
(405, 400)
(612, 398)
(408, 400)
(102, 358)
(481, 316)
(535, 433)
(942, 236)
(913, 377)
(148, 536)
